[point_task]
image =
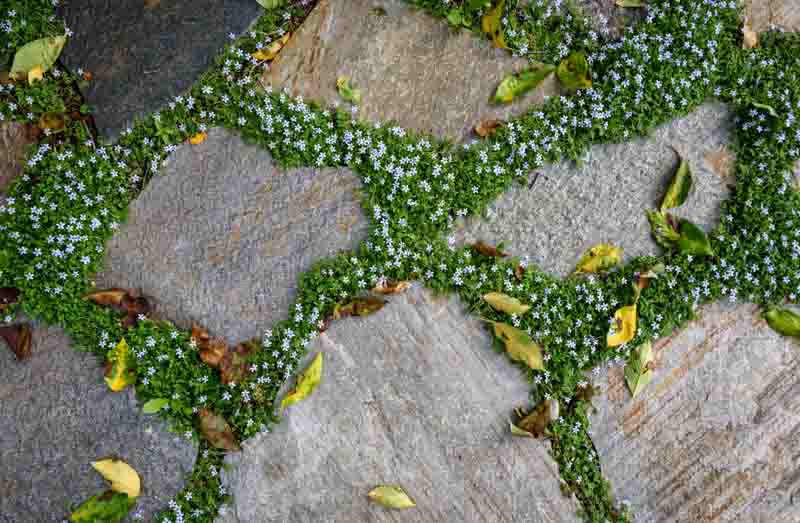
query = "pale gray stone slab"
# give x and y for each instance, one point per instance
(220, 235)
(413, 395)
(57, 416)
(716, 435)
(410, 66)
(781, 15)
(571, 208)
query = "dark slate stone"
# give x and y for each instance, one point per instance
(141, 57)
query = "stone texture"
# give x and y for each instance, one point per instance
(410, 67)
(783, 15)
(571, 208)
(221, 235)
(13, 141)
(57, 416)
(140, 56)
(412, 395)
(715, 437)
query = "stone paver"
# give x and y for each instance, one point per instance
(782, 15)
(571, 208)
(413, 395)
(57, 416)
(142, 56)
(14, 139)
(411, 67)
(715, 437)
(221, 235)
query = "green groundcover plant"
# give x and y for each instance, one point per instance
(74, 193)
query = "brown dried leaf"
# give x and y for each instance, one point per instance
(8, 296)
(217, 431)
(721, 161)
(488, 127)
(212, 352)
(488, 250)
(362, 306)
(536, 421)
(235, 364)
(18, 338)
(151, 4)
(749, 37)
(519, 272)
(392, 287)
(108, 297)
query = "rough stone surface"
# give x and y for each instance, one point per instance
(57, 416)
(13, 141)
(783, 15)
(142, 56)
(412, 395)
(571, 208)
(715, 437)
(221, 235)
(411, 67)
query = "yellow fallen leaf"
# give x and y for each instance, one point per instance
(749, 37)
(519, 346)
(599, 258)
(121, 475)
(391, 496)
(623, 329)
(491, 23)
(35, 74)
(505, 303)
(272, 49)
(198, 138)
(121, 373)
(306, 382)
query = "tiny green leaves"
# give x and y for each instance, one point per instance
(783, 321)
(505, 303)
(306, 382)
(679, 187)
(154, 405)
(599, 258)
(41, 53)
(519, 346)
(638, 371)
(391, 496)
(630, 3)
(347, 92)
(515, 85)
(573, 72)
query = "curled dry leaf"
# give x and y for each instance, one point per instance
(488, 250)
(123, 477)
(784, 321)
(505, 303)
(18, 338)
(519, 346)
(235, 364)
(599, 258)
(8, 297)
(108, 297)
(272, 50)
(623, 328)
(519, 272)
(108, 507)
(679, 187)
(217, 431)
(362, 306)
(492, 24)
(120, 370)
(198, 138)
(639, 370)
(307, 381)
(487, 127)
(641, 280)
(534, 424)
(124, 301)
(749, 37)
(392, 287)
(391, 496)
(52, 120)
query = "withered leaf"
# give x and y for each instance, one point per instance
(217, 431)
(515, 85)
(638, 371)
(121, 372)
(197, 139)
(641, 280)
(519, 272)
(52, 120)
(307, 381)
(534, 424)
(272, 50)
(391, 496)
(505, 303)
(519, 346)
(8, 296)
(123, 477)
(488, 250)
(720, 161)
(392, 287)
(487, 127)
(18, 338)
(122, 300)
(599, 258)
(623, 328)
(749, 37)
(679, 187)
(213, 352)
(108, 297)
(360, 306)
(235, 365)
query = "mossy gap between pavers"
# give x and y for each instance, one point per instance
(753, 243)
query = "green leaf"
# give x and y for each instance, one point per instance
(519, 346)
(154, 405)
(663, 228)
(306, 382)
(347, 92)
(270, 4)
(638, 372)
(630, 3)
(599, 258)
(455, 17)
(679, 187)
(505, 303)
(766, 107)
(391, 496)
(121, 372)
(517, 84)
(108, 507)
(42, 53)
(783, 321)
(573, 72)
(693, 240)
